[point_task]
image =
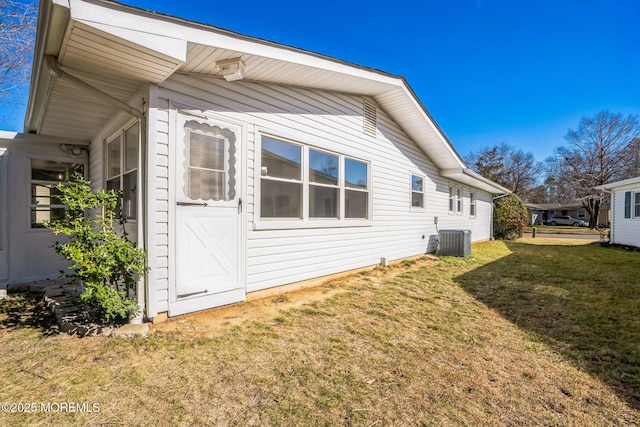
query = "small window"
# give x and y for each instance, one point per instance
(417, 191)
(636, 205)
(627, 204)
(45, 202)
(472, 205)
(455, 200)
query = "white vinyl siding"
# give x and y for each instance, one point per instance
(625, 225)
(332, 123)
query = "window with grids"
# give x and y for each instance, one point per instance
(122, 168)
(455, 200)
(472, 204)
(301, 182)
(45, 177)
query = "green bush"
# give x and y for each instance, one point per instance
(108, 264)
(510, 217)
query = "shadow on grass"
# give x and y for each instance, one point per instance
(20, 311)
(584, 301)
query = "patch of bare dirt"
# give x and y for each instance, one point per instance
(215, 321)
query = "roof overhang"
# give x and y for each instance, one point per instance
(619, 184)
(473, 179)
(119, 50)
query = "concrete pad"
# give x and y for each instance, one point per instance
(131, 330)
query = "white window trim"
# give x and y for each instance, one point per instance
(473, 202)
(307, 222)
(411, 191)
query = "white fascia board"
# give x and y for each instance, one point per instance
(468, 177)
(454, 159)
(162, 27)
(168, 46)
(128, 26)
(618, 184)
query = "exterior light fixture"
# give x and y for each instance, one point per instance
(73, 150)
(231, 69)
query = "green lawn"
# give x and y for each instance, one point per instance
(534, 332)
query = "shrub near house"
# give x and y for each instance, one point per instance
(107, 264)
(510, 217)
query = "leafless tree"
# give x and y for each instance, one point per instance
(604, 148)
(512, 168)
(17, 37)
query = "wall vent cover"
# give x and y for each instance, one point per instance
(370, 119)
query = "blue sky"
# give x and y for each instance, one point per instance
(488, 71)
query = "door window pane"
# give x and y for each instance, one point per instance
(206, 151)
(280, 199)
(206, 184)
(281, 159)
(211, 168)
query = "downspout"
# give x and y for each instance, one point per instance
(55, 69)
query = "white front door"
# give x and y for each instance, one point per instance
(208, 215)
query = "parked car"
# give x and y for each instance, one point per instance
(565, 220)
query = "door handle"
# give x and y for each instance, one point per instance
(239, 205)
(192, 204)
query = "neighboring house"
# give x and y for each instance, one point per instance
(254, 164)
(539, 213)
(625, 211)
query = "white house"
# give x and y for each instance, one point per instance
(254, 164)
(625, 211)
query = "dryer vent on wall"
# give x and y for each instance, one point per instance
(455, 242)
